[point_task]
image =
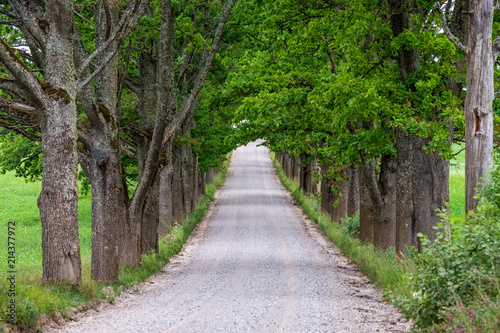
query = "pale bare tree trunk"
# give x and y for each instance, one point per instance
(479, 100)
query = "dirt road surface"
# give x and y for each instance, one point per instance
(254, 265)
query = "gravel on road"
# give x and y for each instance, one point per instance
(255, 264)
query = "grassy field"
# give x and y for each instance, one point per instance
(457, 185)
(18, 202)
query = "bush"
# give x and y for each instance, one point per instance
(350, 226)
(482, 315)
(455, 270)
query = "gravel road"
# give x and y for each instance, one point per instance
(256, 264)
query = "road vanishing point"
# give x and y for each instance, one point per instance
(255, 264)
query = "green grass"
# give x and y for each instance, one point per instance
(18, 201)
(381, 267)
(457, 185)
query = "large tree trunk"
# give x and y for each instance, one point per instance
(340, 199)
(58, 201)
(422, 178)
(327, 194)
(431, 189)
(406, 228)
(147, 109)
(378, 203)
(210, 175)
(109, 200)
(479, 100)
(188, 178)
(178, 208)
(166, 195)
(151, 219)
(423, 189)
(108, 211)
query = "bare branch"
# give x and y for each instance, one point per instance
(448, 32)
(127, 152)
(8, 13)
(11, 87)
(83, 18)
(10, 22)
(132, 85)
(27, 158)
(81, 84)
(127, 23)
(20, 112)
(19, 70)
(20, 130)
(30, 20)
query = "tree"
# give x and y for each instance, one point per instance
(54, 104)
(43, 97)
(481, 56)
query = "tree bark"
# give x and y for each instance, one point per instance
(210, 175)
(178, 207)
(58, 201)
(353, 199)
(479, 101)
(166, 195)
(327, 195)
(378, 203)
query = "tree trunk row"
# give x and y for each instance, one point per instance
(397, 197)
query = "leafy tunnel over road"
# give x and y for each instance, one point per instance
(251, 266)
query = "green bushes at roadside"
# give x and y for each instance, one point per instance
(459, 272)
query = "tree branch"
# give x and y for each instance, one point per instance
(20, 71)
(30, 20)
(126, 24)
(21, 131)
(27, 158)
(448, 32)
(202, 75)
(127, 152)
(18, 111)
(8, 13)
(81, 84)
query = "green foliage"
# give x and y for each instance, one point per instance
(452, 269)
(481, 315)
(21, 155)
(350, 226)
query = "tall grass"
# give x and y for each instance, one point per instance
(33, 299)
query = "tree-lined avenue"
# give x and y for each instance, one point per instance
(252, 267)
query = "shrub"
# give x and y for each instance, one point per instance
(482, 315)
(453, 271)
(350, 226)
